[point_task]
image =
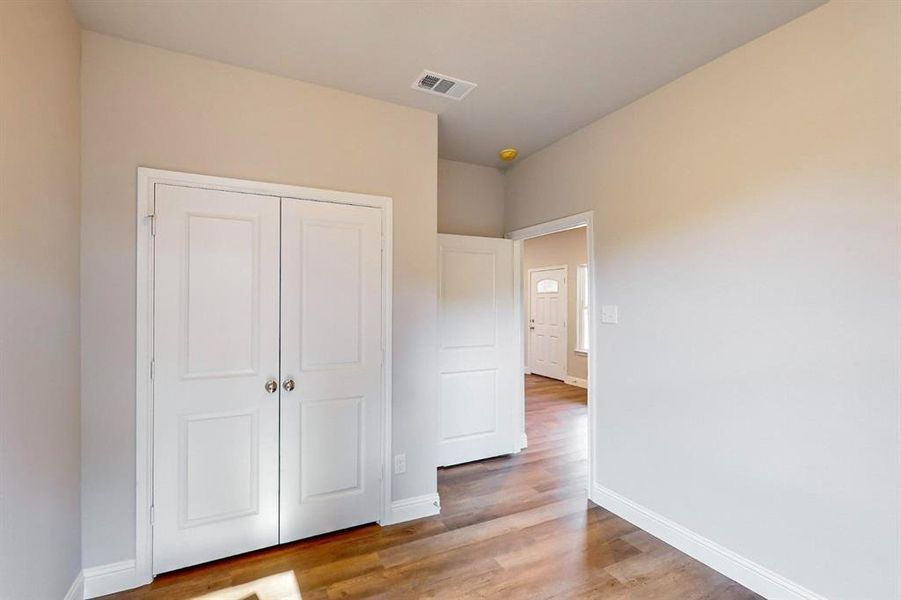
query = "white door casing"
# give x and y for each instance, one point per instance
(215, 426)
(547, 322)
(331, 343)
(477, 349)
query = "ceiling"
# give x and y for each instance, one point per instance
(543, 68)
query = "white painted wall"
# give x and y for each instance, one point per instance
(470, 199)
(150, 107)
(749, 227)
(40, 513)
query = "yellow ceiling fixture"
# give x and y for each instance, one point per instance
(508, 154)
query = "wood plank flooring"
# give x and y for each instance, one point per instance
(511, 527)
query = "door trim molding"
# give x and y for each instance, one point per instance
(565, 269)
(584, 219)
(147, 179)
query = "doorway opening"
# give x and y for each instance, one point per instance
(554, 286)
(556, 298)
(515, 331)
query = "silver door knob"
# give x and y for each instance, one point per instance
(288, 385)
(271, 386)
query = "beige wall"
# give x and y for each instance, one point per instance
(568, 248)
(748, 219)
(40, 515)
(149, 107)
(470, 199)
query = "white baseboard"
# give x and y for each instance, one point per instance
(120, 576)
(576, 381)
(76, 590)
(523, 441)
(417, 507)
(526, 371)
(748, 573)
(107, 579)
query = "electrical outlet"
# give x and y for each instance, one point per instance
(400, 464)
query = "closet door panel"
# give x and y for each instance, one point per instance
(216, 304)
(331, 362)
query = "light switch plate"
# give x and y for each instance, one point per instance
(609, 313)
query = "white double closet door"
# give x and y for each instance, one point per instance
(267, 371)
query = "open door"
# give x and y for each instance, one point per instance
(477, 349)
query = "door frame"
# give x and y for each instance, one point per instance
(528, 298)
(584, 219)
(147, 179)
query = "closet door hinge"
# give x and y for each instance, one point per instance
(151, 514)
(152, 218)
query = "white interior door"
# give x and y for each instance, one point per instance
(331, 345)
(477, 351)
(215, 425)
(547, 322)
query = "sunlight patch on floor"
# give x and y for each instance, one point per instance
(282, 586)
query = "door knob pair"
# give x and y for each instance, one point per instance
(272, 385)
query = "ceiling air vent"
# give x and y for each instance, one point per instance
(442, 85)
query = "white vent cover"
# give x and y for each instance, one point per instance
(442, 85)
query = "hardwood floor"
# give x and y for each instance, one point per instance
(511, 527)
